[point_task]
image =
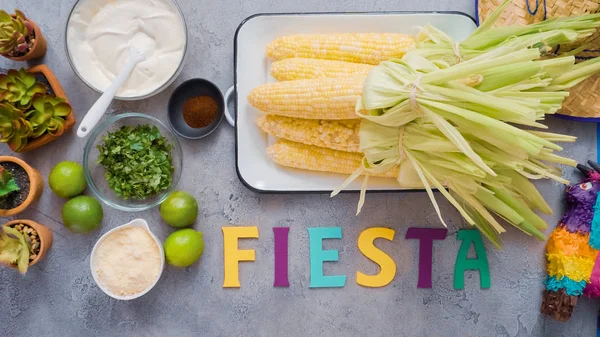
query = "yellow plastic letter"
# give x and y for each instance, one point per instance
(232, 255)
(385, 262)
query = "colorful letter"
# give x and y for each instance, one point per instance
(232, 255)
(386, 263)
(280, 235)
(318, 256)
(463, 263)
(426, 237)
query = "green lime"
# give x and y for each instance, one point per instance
(180, 209)
(67, 179)
(183, 247)
(82, 214)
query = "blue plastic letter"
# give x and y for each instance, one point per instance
(318, 256)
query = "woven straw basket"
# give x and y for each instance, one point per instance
(584, 102)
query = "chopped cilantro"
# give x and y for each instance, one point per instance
(137, 161)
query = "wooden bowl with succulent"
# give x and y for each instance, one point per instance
(20, 38)
(20, 185)
(34, 109)
(24, 243)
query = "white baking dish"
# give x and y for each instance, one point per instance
(252, 68)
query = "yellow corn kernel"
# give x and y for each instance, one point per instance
(323, 98)
(370, 48)
(303, 68)
(338, 135)
(314, 158)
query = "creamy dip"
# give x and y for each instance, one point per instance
(100, 32)
(127, 261)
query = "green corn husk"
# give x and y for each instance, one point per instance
(452, 115)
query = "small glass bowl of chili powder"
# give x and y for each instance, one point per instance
(196, 108)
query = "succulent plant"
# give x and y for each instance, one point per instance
(14, 128)
(19, 86)
(7, 182)
(15, 33)
(48, 115)
(14, 249)
(26, 110)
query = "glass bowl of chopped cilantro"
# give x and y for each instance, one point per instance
(132, 161)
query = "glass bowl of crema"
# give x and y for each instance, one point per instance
(99, 34)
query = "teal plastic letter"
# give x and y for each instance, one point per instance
(318, 256)
(463, 263)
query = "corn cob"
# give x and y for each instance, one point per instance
(303, 68)
(370, 48)
(338, 135)
(314, 158)
(323, 98)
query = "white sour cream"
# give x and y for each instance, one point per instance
(100, 32)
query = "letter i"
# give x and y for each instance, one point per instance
(280, 235)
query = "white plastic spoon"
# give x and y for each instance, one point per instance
(99, 108)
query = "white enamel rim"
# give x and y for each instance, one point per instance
(229, 114)
(134, 223)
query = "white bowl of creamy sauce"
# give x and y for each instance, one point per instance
(100, 32)
(127, 261)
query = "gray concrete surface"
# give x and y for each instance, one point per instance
(59, 298)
